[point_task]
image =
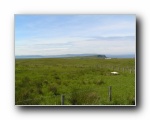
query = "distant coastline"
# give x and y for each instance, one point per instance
(75, 55)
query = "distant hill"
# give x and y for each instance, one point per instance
(28, 56)
(76, 55)
(101, 56)
(59, 56)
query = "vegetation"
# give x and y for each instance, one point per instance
(83, 81)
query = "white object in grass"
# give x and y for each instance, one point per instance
(114, 73)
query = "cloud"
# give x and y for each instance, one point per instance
(68, 34)
(77, 45)
(106, 45)
(111, 38)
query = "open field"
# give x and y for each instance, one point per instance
(82, 81)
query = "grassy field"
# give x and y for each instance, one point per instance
(82, 81)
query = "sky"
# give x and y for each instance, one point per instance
(75, 34)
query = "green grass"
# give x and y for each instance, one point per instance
(83, 81)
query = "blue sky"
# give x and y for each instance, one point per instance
(74, 34)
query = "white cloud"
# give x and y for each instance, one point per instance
(77, 45)
(63, 34)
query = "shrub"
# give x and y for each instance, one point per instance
(53, 89)
(98, 82)
(79, 97)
